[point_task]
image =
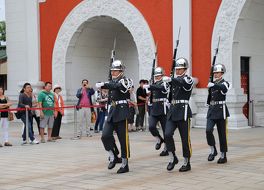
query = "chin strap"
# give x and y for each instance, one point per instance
(181, 74)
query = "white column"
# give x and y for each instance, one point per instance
(22, 18)
(182, 17)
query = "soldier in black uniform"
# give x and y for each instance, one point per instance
(159, 98)
(179, 114)
(117, 117)
(217, 113)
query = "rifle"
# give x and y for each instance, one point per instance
(112, 59)
(154, 65)
(211, 77)
(175, 54)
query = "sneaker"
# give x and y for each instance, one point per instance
(34, 142)
(7, 144)
(24, 142)
(89, 135)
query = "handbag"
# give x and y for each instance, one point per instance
(18, 115)
(10, 116)
(93, 117)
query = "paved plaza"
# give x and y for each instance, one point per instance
(82, 164)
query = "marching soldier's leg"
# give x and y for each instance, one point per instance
(210, 138)
(184, 129)
(116, 152)
(154, 131)
(108, 142)
(222, 133)
(163, 120)
(169, 141)
(122, 133)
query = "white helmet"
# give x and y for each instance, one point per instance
(182, 63)
(158, 71)
(219, 68)
(117, 66)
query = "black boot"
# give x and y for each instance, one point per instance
(222, 159)
(124, 167)
(164, 153)
(173, 163)
(185, 168)
(158, 145)
(211, 156)
(112, 164)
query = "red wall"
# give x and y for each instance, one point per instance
(157, 13)
(203, 17)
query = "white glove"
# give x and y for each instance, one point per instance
(99, 84)
(146, 86)
(166, 79)
(210, 84)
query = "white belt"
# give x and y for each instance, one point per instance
(119, 102)
(159, 100)
(179, 101)
(217, 102)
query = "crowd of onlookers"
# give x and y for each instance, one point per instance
(47, 109)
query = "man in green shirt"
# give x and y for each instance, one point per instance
(46, 100)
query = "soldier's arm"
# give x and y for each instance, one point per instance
(164, 87)
(112, 85)
(223, 87)
(185, 82)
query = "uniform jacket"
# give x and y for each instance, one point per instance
(218, 93)
(181, 89)
(159, 90)
(117, 92)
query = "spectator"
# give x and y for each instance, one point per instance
(46, 101)
(4, 123)
(102, 98)
(58, 112)
(132, 110)
(84, 94)
(141, 100)
(25, 101)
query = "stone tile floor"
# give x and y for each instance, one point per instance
(82, 164)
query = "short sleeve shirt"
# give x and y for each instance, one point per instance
(47, 101)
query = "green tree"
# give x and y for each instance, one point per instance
(2, 31)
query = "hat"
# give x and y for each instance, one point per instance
(56, 86)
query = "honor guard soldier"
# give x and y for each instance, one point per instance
(179, 114)
(159, 94)
(217, 113)
(118, 114)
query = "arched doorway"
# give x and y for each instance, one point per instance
(88, 56)
(79, 20)
(240, 25)
(249, 48)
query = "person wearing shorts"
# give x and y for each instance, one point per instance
(46, 101)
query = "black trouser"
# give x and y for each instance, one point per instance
(140, 116)
(122, 134)
(221, 125)
(184, 130)
(56, 126)
(153, 120)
